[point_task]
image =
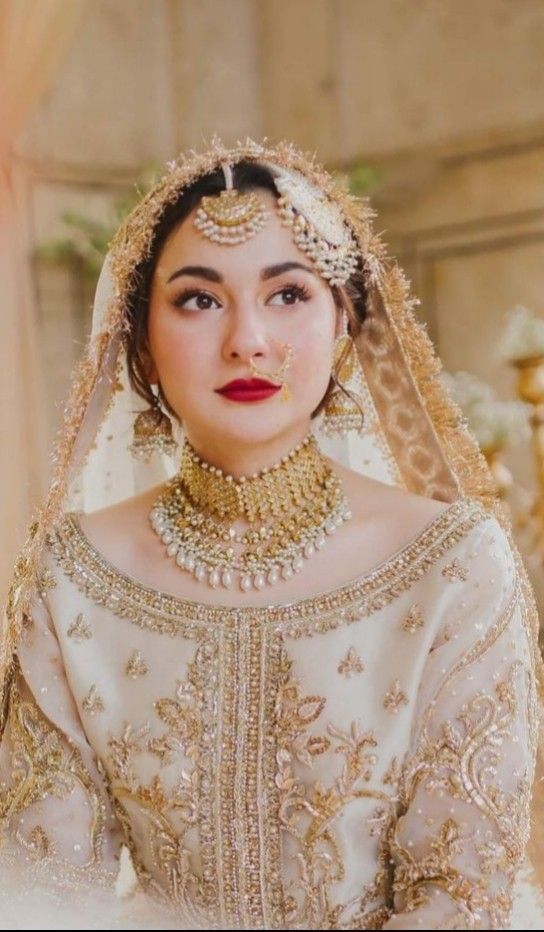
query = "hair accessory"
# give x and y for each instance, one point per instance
(231, 217)
(317, 223)
(278, 377)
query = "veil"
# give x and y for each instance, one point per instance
(415, 436)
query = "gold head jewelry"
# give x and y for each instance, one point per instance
(231, 217)
(291, 509)
(277, 376)
(318, 226)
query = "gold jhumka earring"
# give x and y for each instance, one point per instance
(343, 411)
(152, 432)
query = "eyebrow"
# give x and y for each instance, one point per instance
(212, 275)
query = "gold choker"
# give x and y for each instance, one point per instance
(291, 508)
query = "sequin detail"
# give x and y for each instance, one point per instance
(80, 630)
(150, 608)
(351, 663)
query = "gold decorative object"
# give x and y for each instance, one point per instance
(502, 475)
(530, 387)
(290, 507)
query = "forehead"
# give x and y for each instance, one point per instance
(274, 243)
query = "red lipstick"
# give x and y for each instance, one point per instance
(248, 390)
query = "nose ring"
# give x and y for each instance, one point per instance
(277, 376)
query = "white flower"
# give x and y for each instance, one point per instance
(523, 335)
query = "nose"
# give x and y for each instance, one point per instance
(244, 338)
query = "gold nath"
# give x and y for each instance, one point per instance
(290, 507)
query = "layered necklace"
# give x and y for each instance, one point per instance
(290, 508)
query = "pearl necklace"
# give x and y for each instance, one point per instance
(291, 508)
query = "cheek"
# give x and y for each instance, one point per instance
(176, 350)
(313, 348)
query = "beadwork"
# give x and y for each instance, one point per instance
(290, 507)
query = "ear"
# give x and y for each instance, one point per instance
(150, 368)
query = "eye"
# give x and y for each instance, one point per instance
(294, 292)
(203, 300)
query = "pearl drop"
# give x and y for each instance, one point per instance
(286, 571)
(167, 537)
(309, 549)
(172, 548)
(298, 563)
(320, 541)
(226, 579)
(200, 572)
(214, 578)
(273, 576)
(259, 581)
(245, 582)
(180, 558)
(190, 564)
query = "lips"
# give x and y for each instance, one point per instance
(248, 390)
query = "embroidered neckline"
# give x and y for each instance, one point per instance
(107, 585)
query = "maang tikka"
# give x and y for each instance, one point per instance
(343, 411)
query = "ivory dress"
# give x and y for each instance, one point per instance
(361, 759)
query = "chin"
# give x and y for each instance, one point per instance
(255, 427)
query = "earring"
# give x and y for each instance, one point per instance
(343, 410)
(152, 431)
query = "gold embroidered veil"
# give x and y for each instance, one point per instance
(415, 435)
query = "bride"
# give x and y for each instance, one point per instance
(269, 631)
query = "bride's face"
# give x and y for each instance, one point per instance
(214, 309)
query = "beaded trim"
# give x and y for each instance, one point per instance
(104, 584)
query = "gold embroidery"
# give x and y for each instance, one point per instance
(152, 609)
(414, 619)
(44, 766)
(80, 630)
(394, 697)
(351, 663)
(454, 571)
(460, 762)
(45, 581)
(93, 703)
(136, 665)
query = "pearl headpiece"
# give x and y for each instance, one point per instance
(318, 226)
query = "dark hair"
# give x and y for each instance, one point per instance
(248, 175)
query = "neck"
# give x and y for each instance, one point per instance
(246, 459)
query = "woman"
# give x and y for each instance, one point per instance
(270, 629)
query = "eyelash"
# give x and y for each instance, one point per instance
(300, 291)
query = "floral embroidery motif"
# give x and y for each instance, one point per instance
(394, 697)
(414, 619)
(308, 811)
(136, 665)
(122, 751)
(45, 580)
(454, 571)
(80, 630)
(351, 663)
(92, 703)
(44, 766)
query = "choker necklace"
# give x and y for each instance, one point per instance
(290, 508)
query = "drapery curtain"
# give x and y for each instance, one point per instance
(34, 37)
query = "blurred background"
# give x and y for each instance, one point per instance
(433, 108)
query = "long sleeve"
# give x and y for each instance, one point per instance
(464, 815)
(59, 839)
